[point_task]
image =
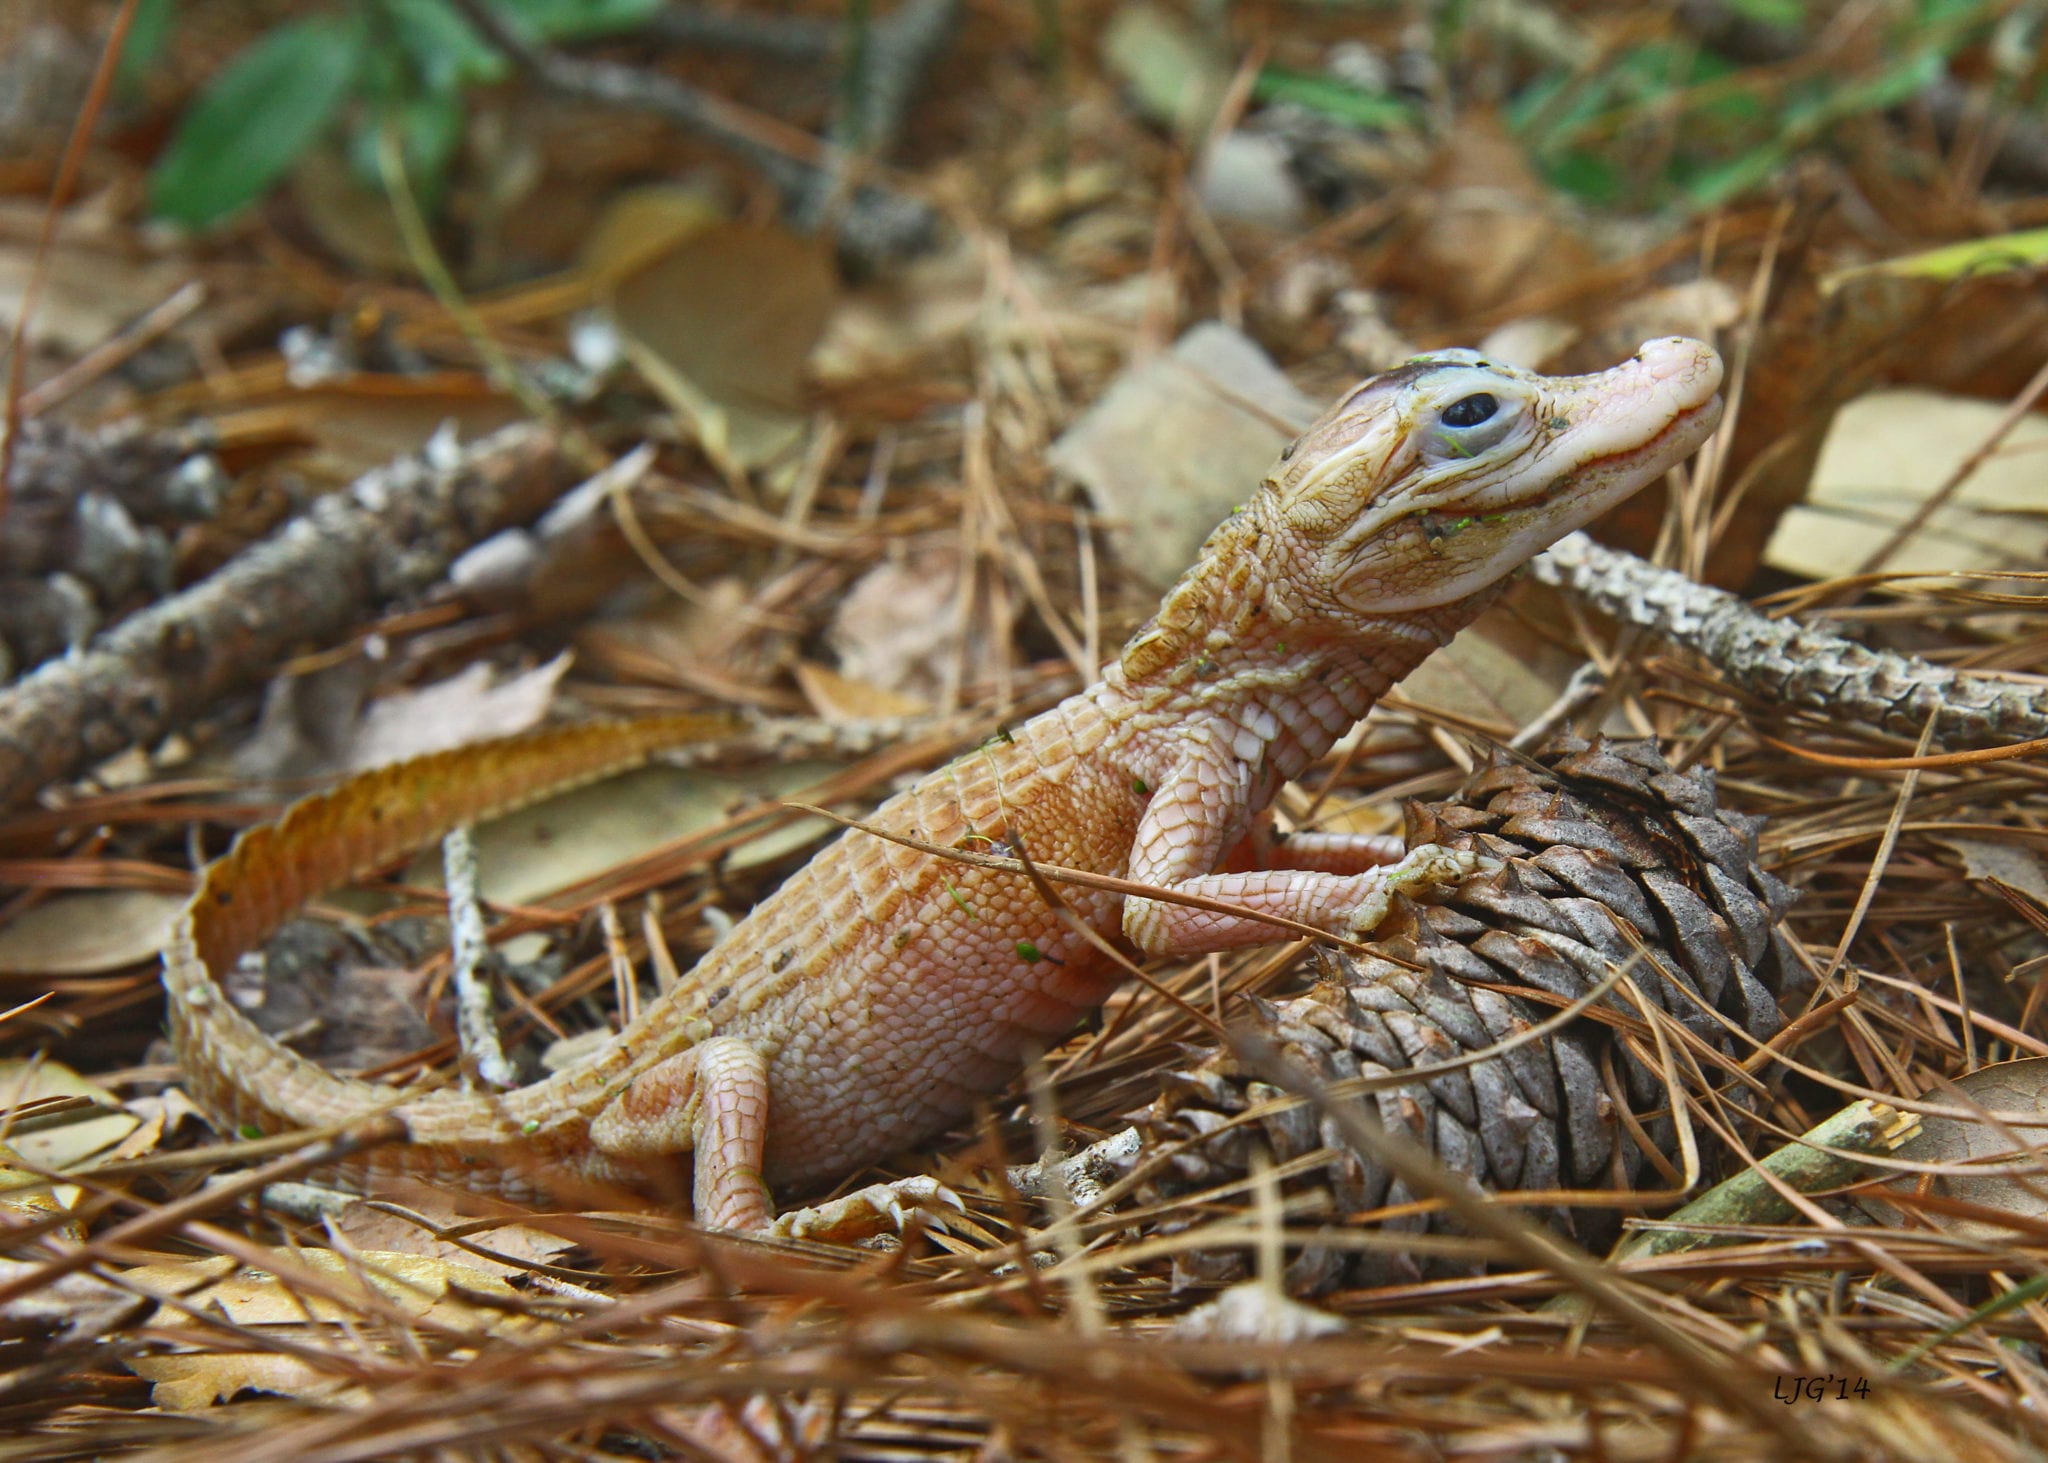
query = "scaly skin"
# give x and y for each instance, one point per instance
(869, 1001)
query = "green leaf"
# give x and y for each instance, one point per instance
(1953, 12)
(1898, 83)
(1995, 255)
(1739, 107)
(253, 121)
(1333, 98)
(145, 43)
(1552, 108)
(1654, 68)
(1585, 174)
(1172, 74)
(1528, 105)
(444, 50)
(575, 20)
(1789, 14)
(1712, 186)
(430, 126)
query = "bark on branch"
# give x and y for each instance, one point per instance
(390, 535)
(1792, 665)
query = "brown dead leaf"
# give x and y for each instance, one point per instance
(896, 627)
(1486, 230)
(61, 1145)
(425, 1288)
(641, 225)
(318, 724)
(193, 1381)
(2015, 1091)
(1996, 858)
(581, 834)
(88, 933)
(634, 228)
(1498, 673)
(688, 647)
(306, 720)
(1887, 453)
(843, 699)
(352, 221)
(91, 287)
(469, 706)
(722, 325)
(370, 1226)
(418, 1284)
(26, 1197)
(1179, 440)
(361, 422)
(372, 1014)
(152, 1117)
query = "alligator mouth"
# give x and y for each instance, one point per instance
(1692, 426)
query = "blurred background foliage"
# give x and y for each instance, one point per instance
(1642, 118)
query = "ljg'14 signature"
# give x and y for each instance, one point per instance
(1818, 1389)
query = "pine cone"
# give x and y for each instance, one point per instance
(1610, 858)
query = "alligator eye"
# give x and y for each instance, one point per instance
(1470, 411)
(1472, 427)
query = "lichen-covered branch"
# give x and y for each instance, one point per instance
(391, 534)
(91, 514)
(1795, 665)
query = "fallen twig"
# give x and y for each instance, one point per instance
(391, 534)
(1813, 1163)
(90, 525)
(1793, 665)
(468, 949)
(876, 97)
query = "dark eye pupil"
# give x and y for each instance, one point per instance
(1470, 411)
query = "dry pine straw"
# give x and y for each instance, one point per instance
(951, 1343)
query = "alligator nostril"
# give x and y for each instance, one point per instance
(1676, 358)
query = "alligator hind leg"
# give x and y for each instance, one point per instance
(712, 1101)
